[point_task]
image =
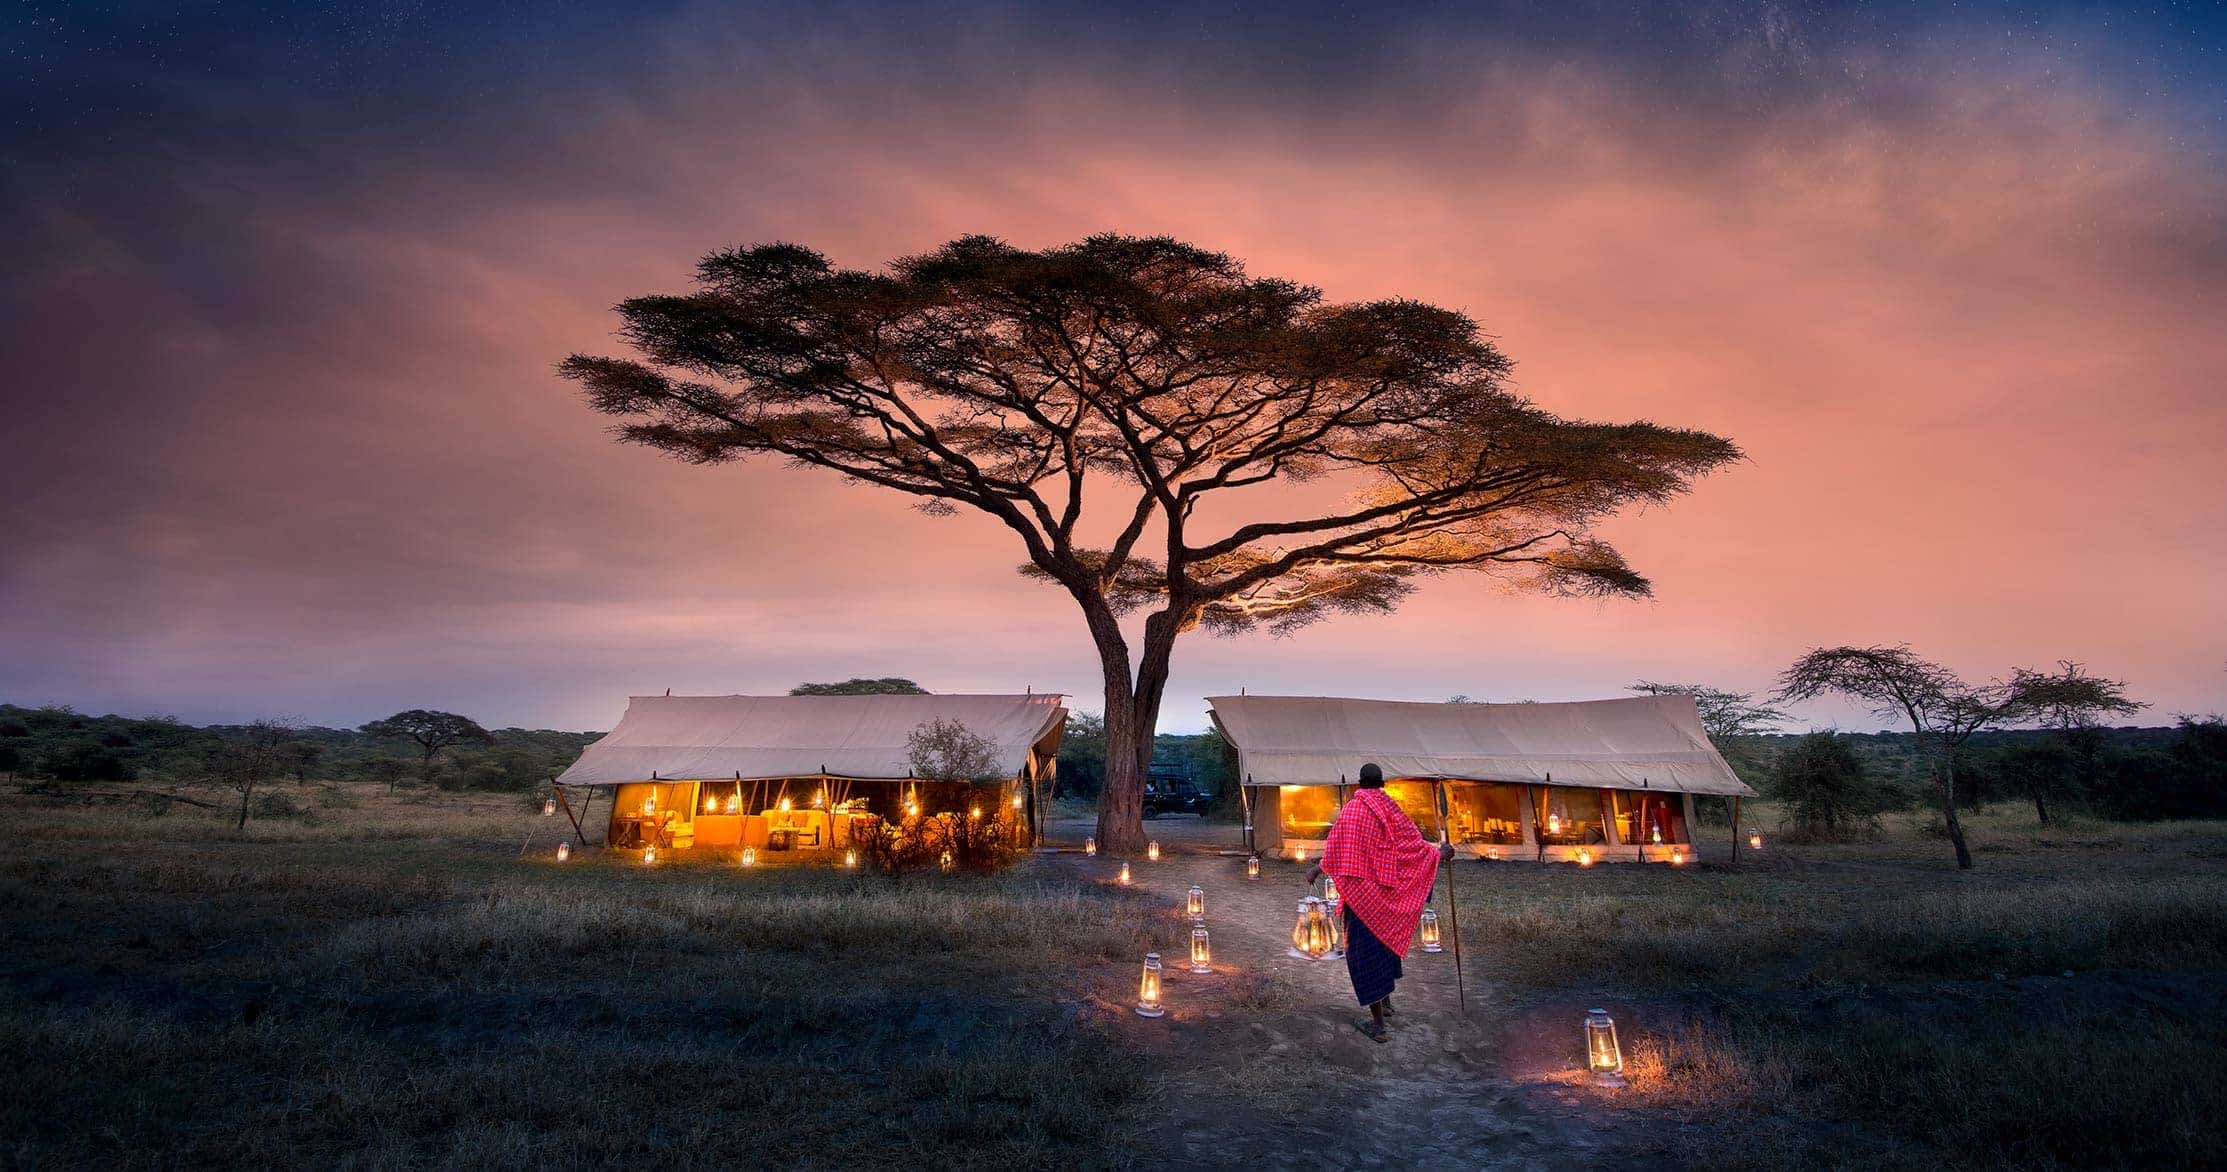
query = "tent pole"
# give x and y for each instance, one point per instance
(565, 804)
(1735, 830)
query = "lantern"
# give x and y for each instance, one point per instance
(564, 851)
(1603, 1057)
(1148, 989)
(912, 807)
(1755, 840)
(786, 805)
(1202, 959)
(750, 856)
(1090, 846)
(1430, 931)
(1194, 903)
(1493, 853)
(548, 806)
(850, 858)
(1152, 850)
(819, 798)
(649, 801)
(1329, 890)
(974, 814)
(1016, 801)
(1554, 824)
(649, 855)
(947, 862)
(1677, 856)
(1299, 854)
(1312, 936)
(711, 804)
(1585, 856)
(1335, 911)
(1252, 867)
(1125, 874)
(1658, 832)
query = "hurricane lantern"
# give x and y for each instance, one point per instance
(1677, 856)
(1194, 903)
(1755, 840)
(1329, 889)
(734, 803)
(649, 855)
(947, 861)
(974, 814)
(1090, 846)
(1148, 989)
(850, 858)
(1312, 937)
(1585, 856)
(1658, 833)
(1604, 1059)
(1016, 801)
(548, 806)
(711, 804)
(750, 856)
(1493, 853)
(1252, 867)
(1430, 931)
(564, 851)
(1202, 958)
(1554, 824)
(1299, 854)
(1152, 851)
(649, 802)
(1124, 875)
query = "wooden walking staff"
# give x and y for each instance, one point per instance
(1453, 910)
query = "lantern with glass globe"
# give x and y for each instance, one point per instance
(1252, 867)
(1312, 936)
(1194, 903)
(1604, 1059)
(1430, 931)
(1148, 988)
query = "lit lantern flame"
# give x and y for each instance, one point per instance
(1194, 903)
(1313, 936)
(1329, 889)
(711, 804)
(1584, 856)
(1755, 840)
(1603, 1057)
(1252, 867)
(1090, 846)
(1554, 824)
(1148, 988)
(649, 803)
(1124, 875)
(1152, 850)
(1016, 801)
(1430, 931)
(785, 805)
(912, 808)
(564, 851)
(947, 861)
(649, 855)
(975, 814)
(850, 858)
(548, 806)
(1493, 853)
(1677, 856)
(1658, 835)
(1299, 854)
(1202, 958)
(750, 856)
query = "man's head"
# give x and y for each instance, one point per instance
(1371, 776)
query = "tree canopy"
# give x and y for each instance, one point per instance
(1165, 381)
(860, 686)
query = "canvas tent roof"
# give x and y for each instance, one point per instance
(1643, 742)
(703, 738)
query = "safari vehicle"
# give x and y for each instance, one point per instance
(1170, 790)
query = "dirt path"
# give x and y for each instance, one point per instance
(1261, 1064)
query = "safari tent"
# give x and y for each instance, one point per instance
(1613, 779)
(805, 772)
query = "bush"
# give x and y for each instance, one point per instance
(1824, 789)
(2187, 779)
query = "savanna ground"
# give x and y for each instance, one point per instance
(384, 980)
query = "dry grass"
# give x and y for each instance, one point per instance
(403, 990)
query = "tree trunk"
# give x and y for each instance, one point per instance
(1132, 717)
(1948, 809)
(2041, 807)
(247, 790)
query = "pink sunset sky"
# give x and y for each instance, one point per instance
(285, 436)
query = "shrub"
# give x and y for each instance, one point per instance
(1824, 789)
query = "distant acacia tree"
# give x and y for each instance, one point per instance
(886, 686)
(1733, 720)
(1015, 383)
(1944, 712)
(1824, 788)
(2069, 702)
(431, 732)
(256, 754)
(301, 756)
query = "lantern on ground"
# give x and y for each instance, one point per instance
(1493, 853)
(1312, 937)
(564, 851)
(1194, 903)
(1677, 856)
(1755, 840)
(1299, 854)
(1585, 856)
(649, 855)
(750, 856)
(1202, 959)
(1152, 850)
(548, 806)
(947, 861)
(1090, 846)
(1604, 1059)
(1125, 874)
(850, 858)
(1430, 931)
(1148, 988)
(1252, 867)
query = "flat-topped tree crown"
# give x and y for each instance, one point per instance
(1155, 376)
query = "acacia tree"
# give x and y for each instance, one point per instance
(431, 732)
(2069, 702)
(1943, 710)
(861, 686)
(1112, 401)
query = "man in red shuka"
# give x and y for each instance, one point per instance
(1384, 869)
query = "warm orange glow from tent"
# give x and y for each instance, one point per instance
(711, 804)
(785, 805)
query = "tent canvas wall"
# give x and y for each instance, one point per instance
(1615, 778)
(742, 770)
